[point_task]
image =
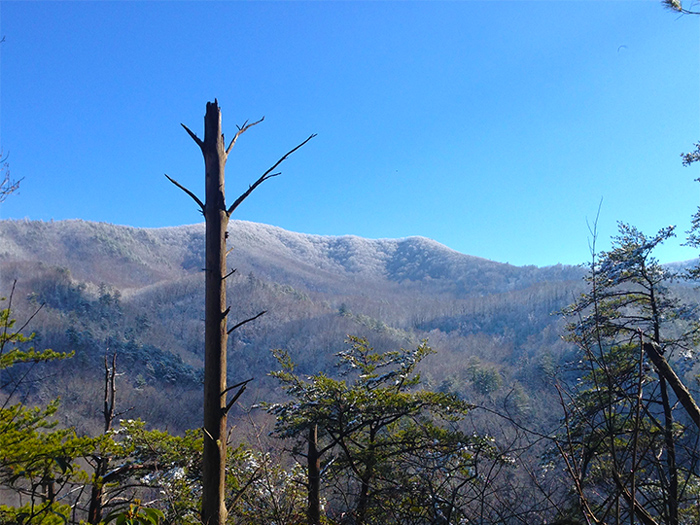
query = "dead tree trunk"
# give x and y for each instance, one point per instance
(215, 337)
(102, 462)
(314, 478)
(216, 216)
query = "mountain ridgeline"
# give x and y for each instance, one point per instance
(139, 293)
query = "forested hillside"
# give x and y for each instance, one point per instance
(139, 292)
(387, 381)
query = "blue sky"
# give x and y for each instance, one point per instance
(492, 127)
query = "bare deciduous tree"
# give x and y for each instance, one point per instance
(7, 184)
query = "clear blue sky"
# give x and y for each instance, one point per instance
(492, 127)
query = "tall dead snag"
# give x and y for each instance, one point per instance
(101, 464)
(313, 458)
(216, 216)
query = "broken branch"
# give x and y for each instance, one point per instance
(234, 399)
(194, 137)
(237, 385)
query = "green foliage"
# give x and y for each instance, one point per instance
(485, 379)
(36, 460)
(155, 459)
(261, 489)
(11, 342)
(135, 514)
(621, 428)
(44, 513)
(381, 435)
(32, 452)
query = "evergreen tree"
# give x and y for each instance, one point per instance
(628, 448)
(388, 451)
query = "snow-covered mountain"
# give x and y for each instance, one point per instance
(139, 292)
(132, 257)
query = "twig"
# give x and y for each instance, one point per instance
(241, 129)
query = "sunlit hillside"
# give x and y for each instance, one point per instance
(139, 292)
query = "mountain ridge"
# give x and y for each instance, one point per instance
(139, 292)
(147, 255)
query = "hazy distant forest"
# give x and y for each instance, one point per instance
(368, 382)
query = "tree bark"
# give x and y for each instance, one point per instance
(102, 463)
(217, 216)
(682, 393)
(215, 335)
(669, 439)
(365, 479)
(314, 474)
(672, 495)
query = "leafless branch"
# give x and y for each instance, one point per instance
(188, 192)
(638, 510)
(235, 398)
(241, 129)
(194, 137)
(246, 321)
(7, 185)
(267, 175)
(237, 385)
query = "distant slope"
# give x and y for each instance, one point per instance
(139, 292)
(129, 257)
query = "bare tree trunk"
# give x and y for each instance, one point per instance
(314, 474)
(365, 480)
(101, 462)
(669, 438)
(216, 215)
(672, 496)
(215, 336)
